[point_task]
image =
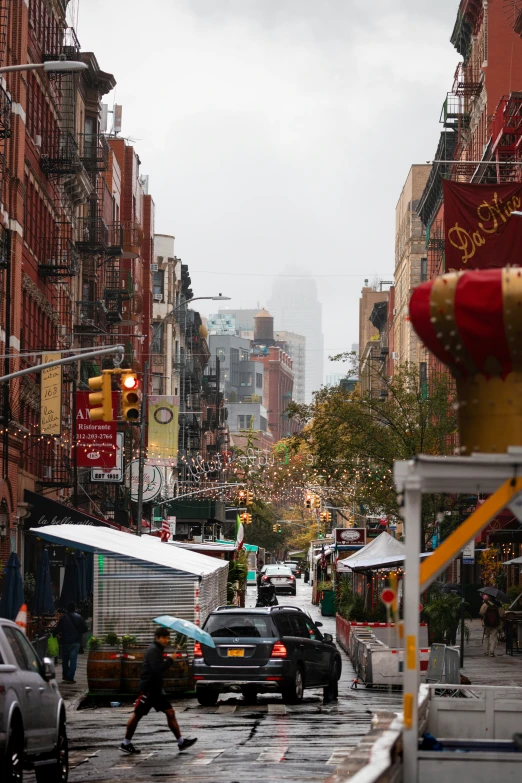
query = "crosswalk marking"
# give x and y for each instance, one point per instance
(274, 755)
(339, 755)
(206, 757)
(277, 709)
(226, 709)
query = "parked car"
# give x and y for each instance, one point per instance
(280, 576)
(32, 712)
(294, 567)
(274, 649)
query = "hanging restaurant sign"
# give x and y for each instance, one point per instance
(95, 440)
(51, 397)
(479, 228)
(354, 536)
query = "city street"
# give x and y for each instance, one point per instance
(236, 742)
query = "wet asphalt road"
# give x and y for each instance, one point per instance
(237, 743)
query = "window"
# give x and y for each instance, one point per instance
(424, 269)
(226, 626)
(245, 422)
(313, 632)
(264, 424)
(156, 345)
(423, 379)
(299, 626)
(243, 355)
(26, 657)
(220, 353)
(158, 283)
(157, 384)
(245, 379)
(259, 380)
(234, 366)
(284, 624)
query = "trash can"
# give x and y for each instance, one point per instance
(328, 603)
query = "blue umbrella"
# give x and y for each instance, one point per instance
(89, 573)
(43, 602)
(13, 589)
(185, 627)
(70, 591)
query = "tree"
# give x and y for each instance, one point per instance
(355, 439)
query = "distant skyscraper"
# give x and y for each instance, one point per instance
(295, 308)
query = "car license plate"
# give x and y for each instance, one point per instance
(239, 653)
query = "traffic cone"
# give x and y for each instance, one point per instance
(21, 618)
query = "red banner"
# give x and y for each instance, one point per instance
(95, 440)
(479, 228)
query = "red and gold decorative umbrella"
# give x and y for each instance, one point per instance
(472, 321)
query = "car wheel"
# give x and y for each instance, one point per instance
(331, 691)
(293, 691)
(59, 772)
(207, 697)
(14, 758)
(249, 695)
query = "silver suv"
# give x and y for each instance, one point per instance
(32, 712)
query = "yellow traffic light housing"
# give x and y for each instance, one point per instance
(130, 396)
(328, 516)
(308, 500)
(274, 528)
(242, 497)
(101, 397)
(246, 518)
(249, 498)
(317, 501)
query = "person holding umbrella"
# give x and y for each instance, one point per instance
(151, 693)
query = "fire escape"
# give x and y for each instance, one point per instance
(506, 138)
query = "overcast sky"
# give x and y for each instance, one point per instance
(278, 132)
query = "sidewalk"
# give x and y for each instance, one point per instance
(73, 693)
(501, 670)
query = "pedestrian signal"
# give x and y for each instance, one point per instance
(101, 397)
(130, 396)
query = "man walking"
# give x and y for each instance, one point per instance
(492, 615)
(70, 628)
(151, 693)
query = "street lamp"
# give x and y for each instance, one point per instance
(51, 65)
(218, 298)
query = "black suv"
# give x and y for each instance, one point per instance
(277, 648)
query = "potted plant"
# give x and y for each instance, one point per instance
(104, 664)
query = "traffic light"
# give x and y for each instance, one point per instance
(308, 501)
(274, 528)
(101, 397)
(323, 516)
(279, 529)
(317, 501)
(249, 519)
(246, 518)
(328, 516)
(130, 396)
(249, 498)
(242, 497)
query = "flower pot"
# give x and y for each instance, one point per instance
(104, 670)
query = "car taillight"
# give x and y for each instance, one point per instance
(292, 577)
(278, 650)
(266, 578)
(197, 650)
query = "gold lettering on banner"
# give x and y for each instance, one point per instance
(491, 217)
(51, 397)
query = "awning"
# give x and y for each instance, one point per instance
(207, 546)
(145, 548)
(327, 552)
(45, 511)
(515, 561)
(370, 563)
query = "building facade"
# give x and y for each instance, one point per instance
(295, 346)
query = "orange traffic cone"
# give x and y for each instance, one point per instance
(21, 618)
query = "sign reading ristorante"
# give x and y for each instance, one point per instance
(95, 440)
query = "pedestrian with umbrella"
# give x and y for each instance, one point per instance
(151, 693)
(13, 589)
(492, 614)
(43, 603)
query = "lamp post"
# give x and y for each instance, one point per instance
(50, 66)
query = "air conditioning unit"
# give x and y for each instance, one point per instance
(394, 355)
(153, 267)
(158, 297)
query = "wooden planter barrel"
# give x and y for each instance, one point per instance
(104, 670)
(175, 680)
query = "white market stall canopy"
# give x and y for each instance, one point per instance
(137, 578)
(382, 551)
(147, 548)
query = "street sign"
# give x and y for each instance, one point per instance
(113, 475)
(468, 553)
(95, 440)
(152, 480)
(172, 526)
(388, 596)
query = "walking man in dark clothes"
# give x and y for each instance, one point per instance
(151, 693)
(71, 626)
